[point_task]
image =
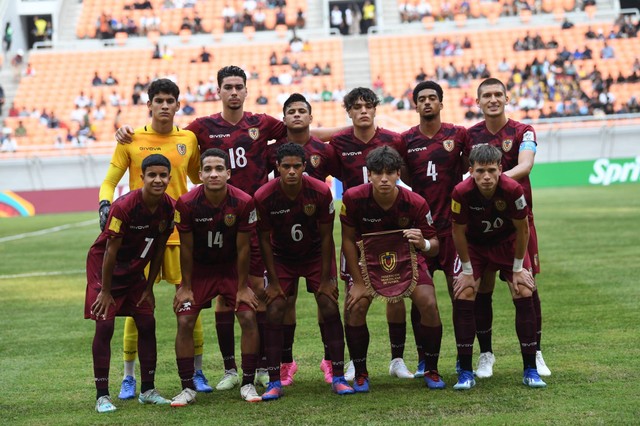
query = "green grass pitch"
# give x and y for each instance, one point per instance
(589, 286)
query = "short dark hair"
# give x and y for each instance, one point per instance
(231, 71)
(155, 160)
(214, 152)
(163, 85)
(367, 95)
(295, 97)
(290, 150)
(484, 154)
(384, 158)
(428, 85)
(489, 82)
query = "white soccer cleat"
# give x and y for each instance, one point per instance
(105, 405)
(152, 397)
(350, 372)
(542, 368)
(397, 368)
(485, 365)
(262, 377)
(184, 398)
(229, 381)
(249, 394)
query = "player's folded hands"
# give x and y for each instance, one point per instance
(272, 292)
(182, 296)
(330, 289)
(356, 292)
(461, 283)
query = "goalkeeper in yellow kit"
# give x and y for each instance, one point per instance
(181, 148)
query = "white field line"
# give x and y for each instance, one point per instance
(41, 274)
(46, 231)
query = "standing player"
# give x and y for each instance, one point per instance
(135, 235)
(321, 162)
(518, 144)
(434, 166)
(181, 148)
(352, 147)
(215, 221)
(491, 232)
(295, 222)
(381, 206)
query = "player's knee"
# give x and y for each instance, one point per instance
(186, 324)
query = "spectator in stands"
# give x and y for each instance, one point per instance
(53, 122)
(20, 131)
(336, 19)
(421, 76)
(281, 17)
(285, 59)
(197, 23)
(259, 18)
(187, 108)
(273, 59)
(326, 94)
(273, 79)
(327, 69)
(205, 56)
(110, 80)
(2, 98)
(7, 37)
(82, 100)
(316, 70)
(300, 19)
(167, 53)
(368, 16)
(566, 24)
(40, 28)
(590, 34)
(99, 113)
(229, 13)
(186, 24)
(8, 143)
(285, 78)
(607, 52)
(296, 45)
(262, 99)
(96, 81)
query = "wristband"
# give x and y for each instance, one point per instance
(467, 269)
(427, 245)
(517, 265)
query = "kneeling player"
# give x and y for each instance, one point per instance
(215, 221)
(136, 233)
(295, 222)
(490, 232)
(381, 205)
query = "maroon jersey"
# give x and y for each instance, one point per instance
(215, 228)
(351, 153)
(245, 143)
(435, 167)
(362, 212)
(294, 223)
(509, 139)
(489, 221)
(321, 160)
(140, 230)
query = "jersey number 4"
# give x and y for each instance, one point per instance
(431, 171)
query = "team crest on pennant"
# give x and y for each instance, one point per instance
(254, 133)
(506, 145)
(229, 219)
(403, 222)
(388, 260)
(448, 145)
(182, 148)
(315, 160)
(162, 226)
(309, 209)
(501, 205)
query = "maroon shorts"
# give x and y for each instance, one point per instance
(126, 295)
(126, 291)
(256, 265)
(497, 257)
(289, 272)
(208, 282)
(446, 258)
(532, 248)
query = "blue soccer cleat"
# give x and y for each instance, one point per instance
(465, 381)
(433, 380)
(128, 388)
(273, 392)
(340, 386)
(532, 379)
(420, 370)
(201, 383)
(361, 383)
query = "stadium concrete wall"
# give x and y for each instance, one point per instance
(565, 157)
